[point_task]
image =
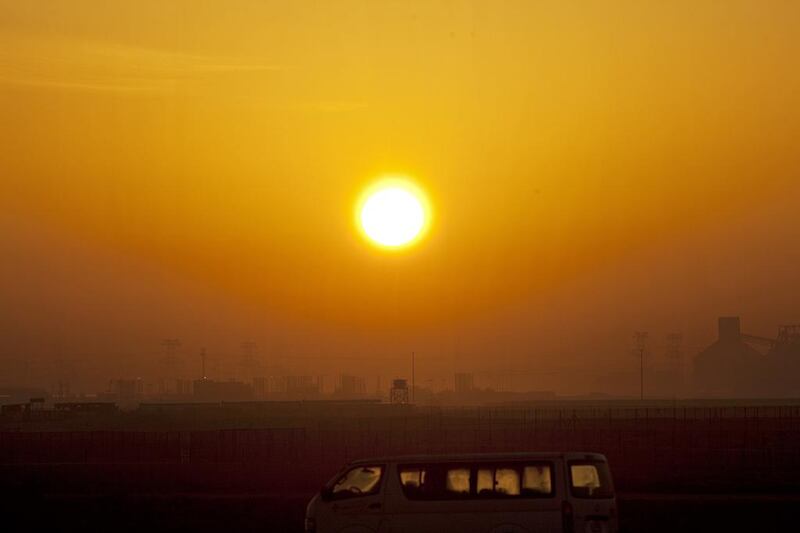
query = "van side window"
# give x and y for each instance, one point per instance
(412, 480)
(590, 479)
(416, 482)
(503, 481)
(358, 481)
(435, 481)
(485, 482)
(459, 481)
(506, 481)
(537, 481)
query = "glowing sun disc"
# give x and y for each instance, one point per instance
(393, 214)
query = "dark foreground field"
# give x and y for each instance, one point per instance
(250, 512)
(254, 467)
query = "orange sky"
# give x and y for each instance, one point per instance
(188, 169)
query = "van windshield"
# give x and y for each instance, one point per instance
(359, 481)
(590, 479)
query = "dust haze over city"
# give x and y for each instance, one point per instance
(247, 216)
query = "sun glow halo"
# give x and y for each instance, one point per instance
(393, 213)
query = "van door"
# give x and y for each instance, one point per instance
(592, 501)
(355, 501)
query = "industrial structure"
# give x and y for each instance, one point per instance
(733, 367)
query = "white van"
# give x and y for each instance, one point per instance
(482, 493)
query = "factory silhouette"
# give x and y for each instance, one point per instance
(739, 365)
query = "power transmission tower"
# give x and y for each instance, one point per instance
(413, 376)
(674, 354)
(640, 347)
(249, 363)
(170, 360)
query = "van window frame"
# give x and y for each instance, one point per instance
(596, 463)
(473, 467)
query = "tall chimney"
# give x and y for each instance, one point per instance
(730, 329)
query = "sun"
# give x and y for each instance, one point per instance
(393, 213)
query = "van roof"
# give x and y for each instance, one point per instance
(502, 456)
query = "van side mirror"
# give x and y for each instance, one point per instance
(326, 494)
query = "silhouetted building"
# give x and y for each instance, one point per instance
(220, 391)
(464, 383)
(174, 386)
(127, 389)
(86, 407)
(289, 387)
(732, 367)
(261, 387)
(13, 408)
(62, 389)
(729, 367)
(24, 411)
(301, 386)
(351, 386)
(783, 361)
(18, 395)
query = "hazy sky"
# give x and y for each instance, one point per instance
(188, 169)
